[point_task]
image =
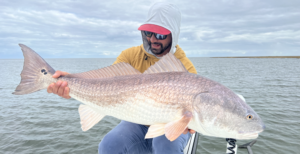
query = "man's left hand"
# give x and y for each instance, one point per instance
(189, 130)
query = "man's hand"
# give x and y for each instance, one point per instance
(60, 87)
(189, 130)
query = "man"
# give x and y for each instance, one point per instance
(160, 36)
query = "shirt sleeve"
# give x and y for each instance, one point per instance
(188, 65)
(123, 57)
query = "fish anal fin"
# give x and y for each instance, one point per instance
(118, 69)
(155, 131)
(175, 128)
(88, 117)
(168, 63)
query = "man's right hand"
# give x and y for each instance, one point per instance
(60, 87)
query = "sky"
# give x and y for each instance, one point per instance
(103, 29)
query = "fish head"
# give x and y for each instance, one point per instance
(224, 114)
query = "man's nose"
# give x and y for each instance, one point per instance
(153, 38)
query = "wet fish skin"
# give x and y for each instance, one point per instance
(166, 97)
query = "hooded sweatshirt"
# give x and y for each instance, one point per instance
(168, 16)
(141, 57)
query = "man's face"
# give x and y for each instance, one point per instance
(160, 47)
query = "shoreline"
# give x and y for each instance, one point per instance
(260, 57)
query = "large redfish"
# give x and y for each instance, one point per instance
(166, 96)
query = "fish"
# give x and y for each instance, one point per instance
(166, 97)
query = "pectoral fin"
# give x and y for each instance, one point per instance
(155, 131)
(175, 128)
(88, 117)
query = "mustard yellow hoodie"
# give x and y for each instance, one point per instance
(141, 60)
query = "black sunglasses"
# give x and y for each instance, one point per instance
(157, 36)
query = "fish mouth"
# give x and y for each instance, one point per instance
(246, 136)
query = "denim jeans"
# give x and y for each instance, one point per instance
(129, 138)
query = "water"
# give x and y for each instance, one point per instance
(45, 123)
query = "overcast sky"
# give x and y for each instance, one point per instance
(98, 29)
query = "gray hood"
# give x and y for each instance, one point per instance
(165, 15)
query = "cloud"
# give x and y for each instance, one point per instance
(283, 35)
(69, 29)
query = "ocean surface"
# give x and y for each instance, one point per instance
(45, 123)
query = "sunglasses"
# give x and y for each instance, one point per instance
(157, 36)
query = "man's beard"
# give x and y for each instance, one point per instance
(161, 50)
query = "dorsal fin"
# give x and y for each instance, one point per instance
(168, 63)
(119, 69)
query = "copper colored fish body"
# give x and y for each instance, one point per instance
(165, 96)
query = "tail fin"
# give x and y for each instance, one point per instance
(35, 74)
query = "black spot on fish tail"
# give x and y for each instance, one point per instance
(44, 71)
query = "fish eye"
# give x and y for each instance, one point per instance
(249, 116)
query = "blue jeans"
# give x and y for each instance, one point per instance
(129, 138)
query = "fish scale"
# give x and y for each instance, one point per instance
(145, 91)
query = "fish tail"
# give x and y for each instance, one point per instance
(36, 74)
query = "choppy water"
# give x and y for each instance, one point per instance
(43, 123)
